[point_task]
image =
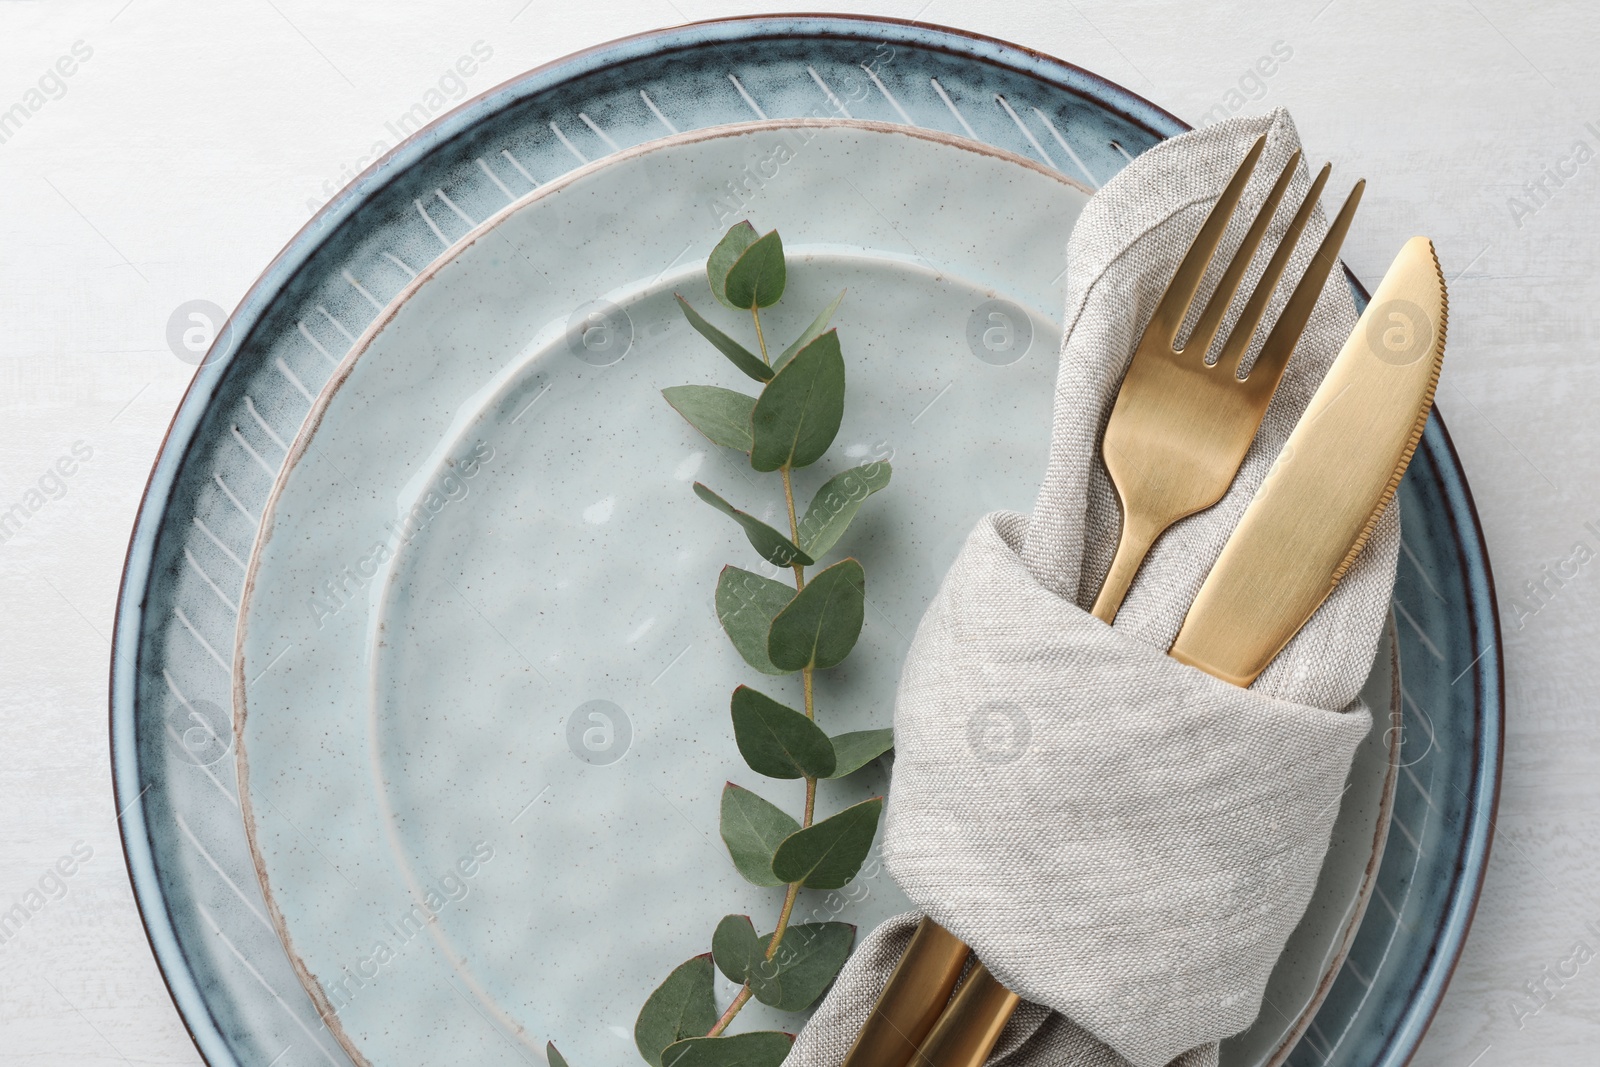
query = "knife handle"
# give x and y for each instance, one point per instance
(912, 999)
(966, 1033)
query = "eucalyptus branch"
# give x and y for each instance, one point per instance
(777, 630)
(793, 891)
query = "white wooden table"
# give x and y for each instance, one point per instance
(166, 150)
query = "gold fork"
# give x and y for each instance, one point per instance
(1177, 433)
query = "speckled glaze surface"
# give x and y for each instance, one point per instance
(514, 495)
(182, 828)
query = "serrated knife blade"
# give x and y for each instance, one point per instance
(1332, 480)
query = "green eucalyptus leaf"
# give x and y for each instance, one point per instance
(799, 411)
(682, 1006)
(757, 1048)
(836, 504)
(753, 828)
(757, 277)
(820, 625)
(722, 415)
(807, 961)
(737, 353)
(740, 236)
(734, 946)
(828, 854)
(854, 751)
(773, 546)
(556, 1059)
(778, 741)
(746, 606)
(811, 333)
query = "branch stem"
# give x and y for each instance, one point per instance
(733, 1009)
(755, 313)
(783, 919)
(794, 532)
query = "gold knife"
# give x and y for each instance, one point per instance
(1306, 524)
(1334, 477)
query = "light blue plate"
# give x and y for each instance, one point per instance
(173, 769)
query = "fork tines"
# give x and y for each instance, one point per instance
(1280, 343)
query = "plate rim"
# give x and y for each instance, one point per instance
(1488, 671)
(251, 314)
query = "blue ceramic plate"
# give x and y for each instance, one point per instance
(567, 568)
(171, 735)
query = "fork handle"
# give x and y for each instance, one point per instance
(1132, 546)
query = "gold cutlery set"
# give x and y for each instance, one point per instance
(1175, 440)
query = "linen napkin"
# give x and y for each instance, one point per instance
(1124, 840)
